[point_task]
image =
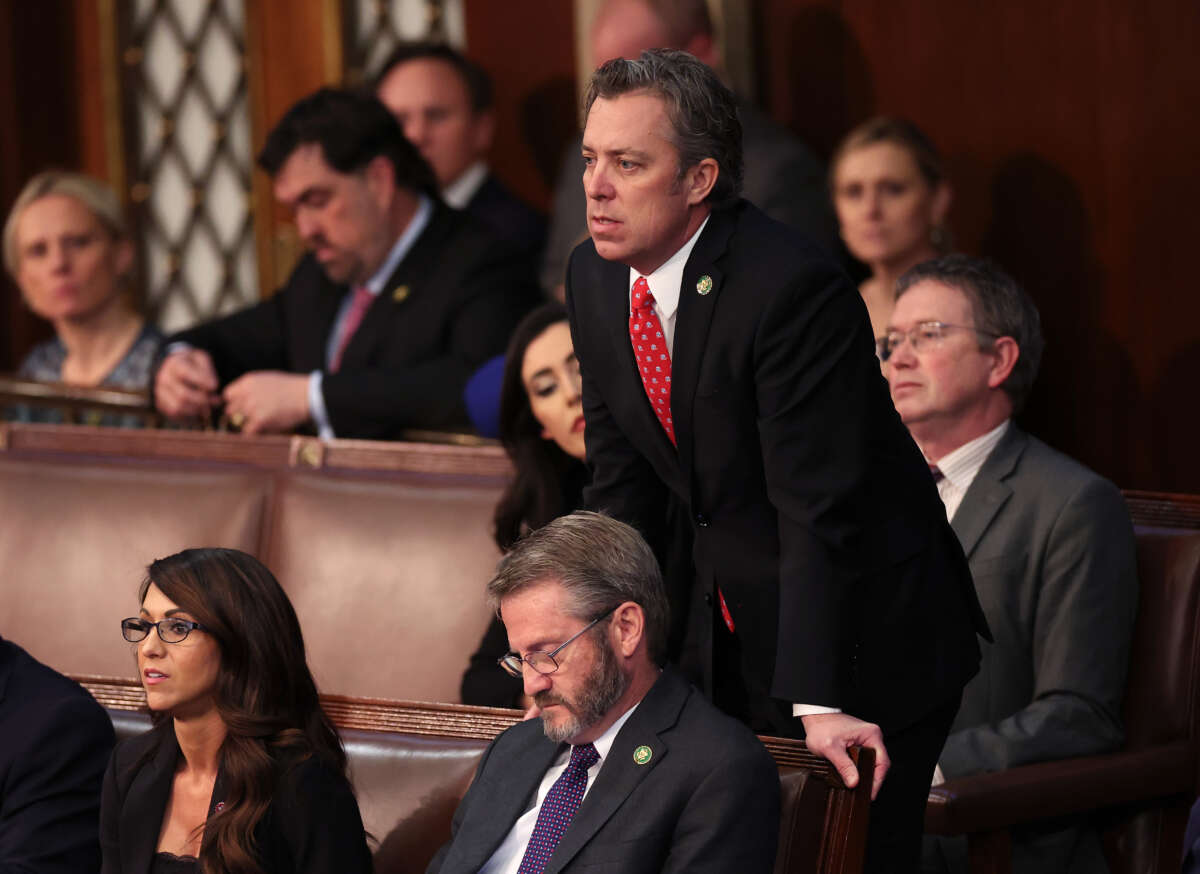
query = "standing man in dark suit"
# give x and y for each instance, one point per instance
(839, 593)
(655, 779)
(443, 100)
(1049, 542)
(54, 745)
(381, 324)
(784, 177)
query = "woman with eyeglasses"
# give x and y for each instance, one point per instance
(242, 772)
(891, 196)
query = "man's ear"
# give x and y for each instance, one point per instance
(483, 131)
(628, 628)
(700, 179)
(1005, 353)
(380, 177)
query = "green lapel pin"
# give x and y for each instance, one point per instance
(704, 284)
(642, 754)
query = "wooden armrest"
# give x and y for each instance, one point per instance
(988, 802)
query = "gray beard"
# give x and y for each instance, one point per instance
(601, 689)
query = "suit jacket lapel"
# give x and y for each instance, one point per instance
(620, 774)
(405, 283)
(506, 794)
(988, 492)
(146, 803)
(692, 321)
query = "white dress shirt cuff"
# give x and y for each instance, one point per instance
(316, 406)
(813, 709)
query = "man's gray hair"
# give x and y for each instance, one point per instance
(599, 561)
(999, 306)
(702, 111)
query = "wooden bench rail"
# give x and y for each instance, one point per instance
(479, 458)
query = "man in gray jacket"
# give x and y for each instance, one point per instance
(1049, 543)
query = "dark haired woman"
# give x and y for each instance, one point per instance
(891, 196)
(242, 771)
(541, 427)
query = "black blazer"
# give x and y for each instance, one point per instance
(311, 827)
(449, 306)
(511, 218)
(706, 801)
(813, 509)
(54, 743)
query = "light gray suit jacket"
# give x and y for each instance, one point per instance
(1051, 549)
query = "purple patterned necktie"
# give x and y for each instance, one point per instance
(558, 809)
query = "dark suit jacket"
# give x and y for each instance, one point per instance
(511, 218)
(708, 799)
(1051, 549)
(54, 743)
(813, 509)
(1191, 842)
(449, 306)
(311, 827)
(783, 178)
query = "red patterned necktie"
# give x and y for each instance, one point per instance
(650, 350)
(354, 316)
(558, 809)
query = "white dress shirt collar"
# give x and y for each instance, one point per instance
(960, 467)
(402, 245)
(459, 192)
(665, 283)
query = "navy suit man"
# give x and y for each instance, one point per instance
(55, 741)
(836, 594)
(629, 770)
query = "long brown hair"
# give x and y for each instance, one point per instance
(265, 693)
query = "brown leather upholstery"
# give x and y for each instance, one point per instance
(1143, 792)
(412, 763)
(76, 538)
(387, 578)
(385, 554)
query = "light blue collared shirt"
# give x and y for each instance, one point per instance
(375, 285)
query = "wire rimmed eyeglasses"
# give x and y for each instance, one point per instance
(169, 630)
(920, 334)
(545, 662)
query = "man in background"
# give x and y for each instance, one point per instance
(1049, 543)
(380, 325)
(783, 177)
(443, 101)
(55, 741)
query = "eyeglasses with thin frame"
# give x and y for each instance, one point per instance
(545, 662)
(169, 630)
(920, 334)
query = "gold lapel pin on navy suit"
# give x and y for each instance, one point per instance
(704, 285)
(400, 293)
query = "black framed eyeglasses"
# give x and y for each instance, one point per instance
(545, 662)
(921, 334)
(169, 630)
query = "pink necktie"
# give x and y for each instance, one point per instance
(354, 316)
(650, 350)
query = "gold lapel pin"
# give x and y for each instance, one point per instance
(642, 754)
(400, 295)
(704, 284)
